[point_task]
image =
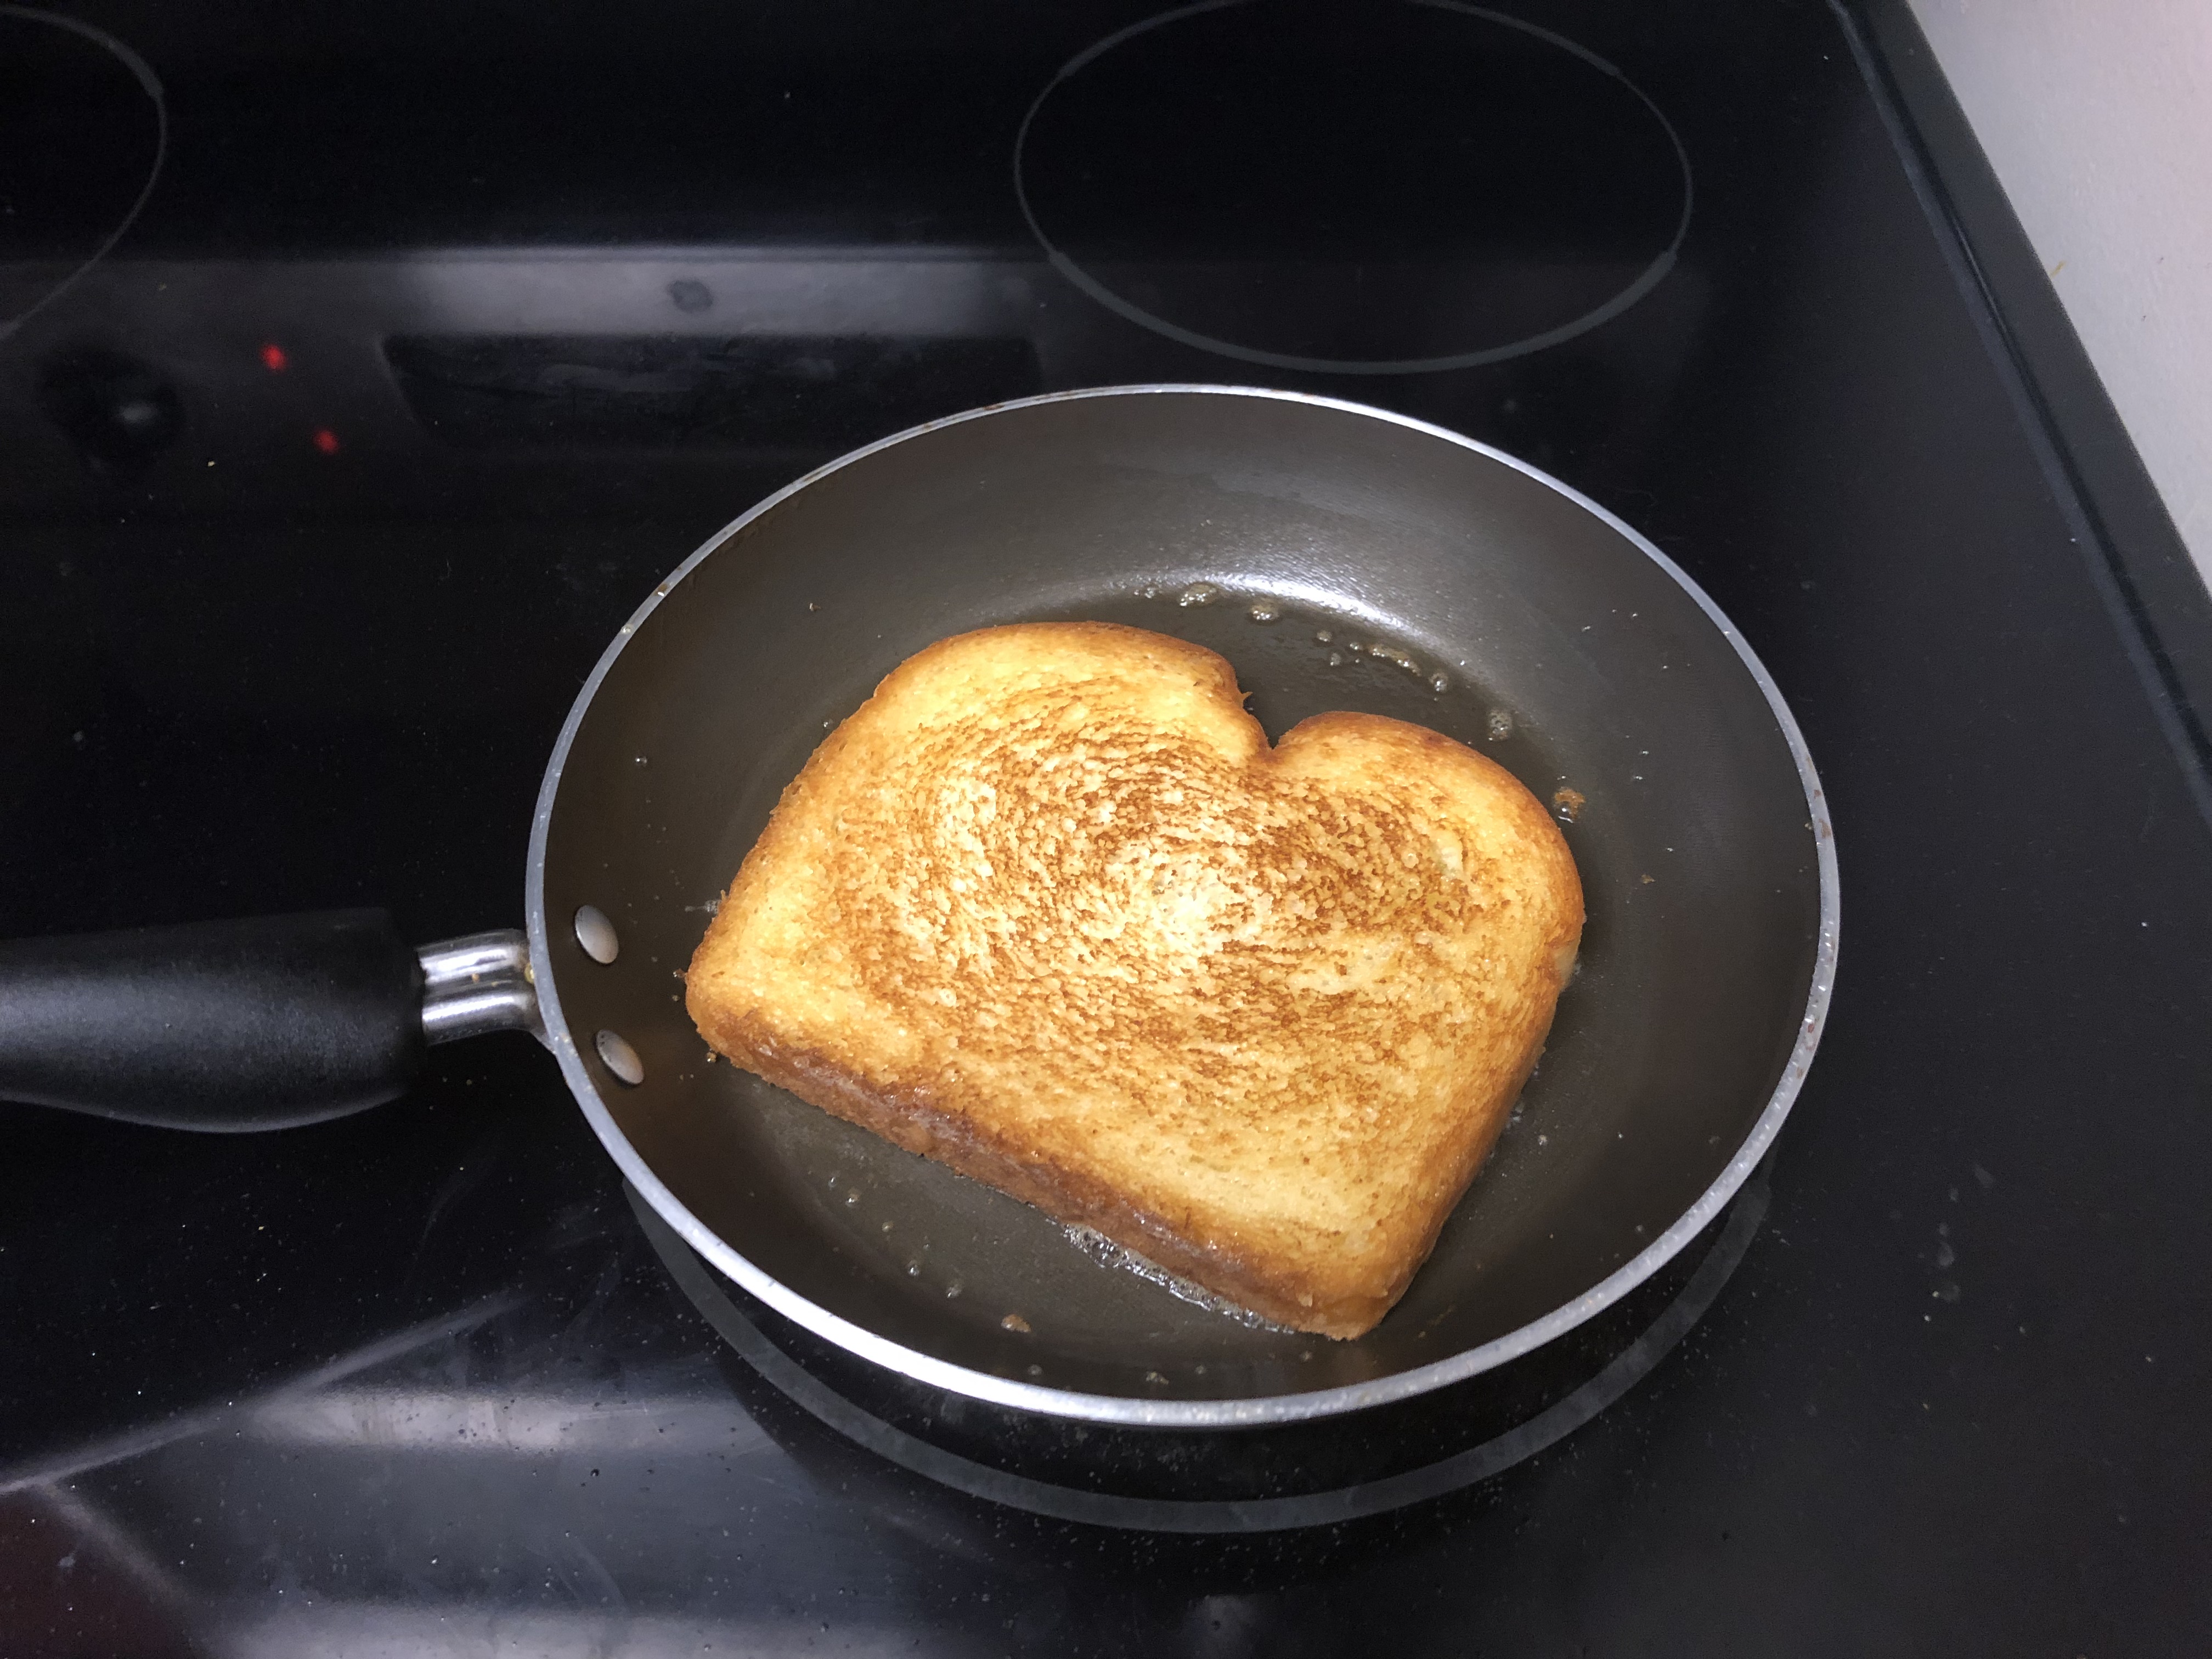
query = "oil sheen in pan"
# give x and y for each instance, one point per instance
(1099, 1248)
(1294, 659)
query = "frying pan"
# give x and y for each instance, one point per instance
(1339, 557)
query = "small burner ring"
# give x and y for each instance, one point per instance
(150, 83)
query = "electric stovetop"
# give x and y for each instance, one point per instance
(362, 368)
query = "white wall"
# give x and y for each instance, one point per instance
(2097, 115)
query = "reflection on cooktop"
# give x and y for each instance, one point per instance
(1388, 189)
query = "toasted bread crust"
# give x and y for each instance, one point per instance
(1049, 909)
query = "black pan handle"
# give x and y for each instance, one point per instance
(229, 1025)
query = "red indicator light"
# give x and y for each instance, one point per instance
(327, 441)
(273, 358)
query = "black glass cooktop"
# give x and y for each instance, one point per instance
(362, 367)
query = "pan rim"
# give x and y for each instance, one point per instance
(1187, 1414)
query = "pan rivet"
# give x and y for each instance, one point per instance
(597, 934)
(621, 1059)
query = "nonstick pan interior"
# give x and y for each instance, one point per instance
(1408, 574)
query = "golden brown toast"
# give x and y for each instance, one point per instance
(1050, 909)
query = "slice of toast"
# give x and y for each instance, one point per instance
(1050, 909)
